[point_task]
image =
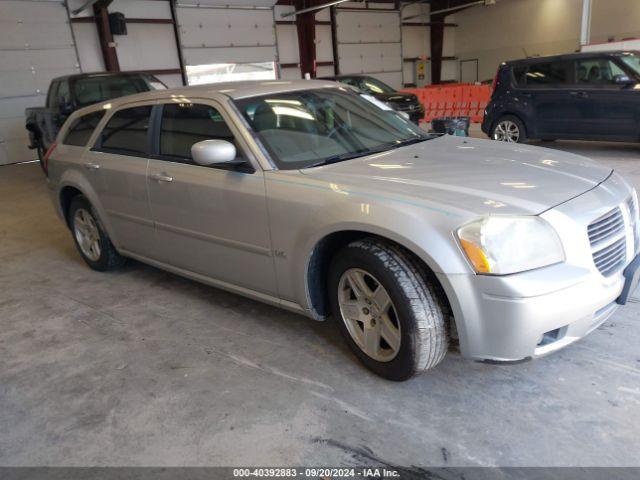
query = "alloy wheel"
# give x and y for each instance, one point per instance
(369, 314)
(87, 234)
(506, 131)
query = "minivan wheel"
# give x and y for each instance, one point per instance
(509, 129)
(388, 312)
(90, 238)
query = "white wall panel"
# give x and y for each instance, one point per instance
(326, 71)
(288, 51)
(200, 27)
(220, 35)
(141, 8)
(359, 27)
(370, 42)
(36, 45)
(324, 46)
(88, 46)
(291, 73)
(147, 47)
(171, 81)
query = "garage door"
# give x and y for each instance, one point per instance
(358, 53)
(36, 45)
(214, 34)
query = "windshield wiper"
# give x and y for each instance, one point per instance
(341, 157)
(411, 141)
(382, 148)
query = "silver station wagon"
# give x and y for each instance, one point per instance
(312, 197)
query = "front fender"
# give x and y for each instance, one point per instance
(303, 212)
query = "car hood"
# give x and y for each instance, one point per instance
(472, 175)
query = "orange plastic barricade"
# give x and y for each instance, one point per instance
(458, 99)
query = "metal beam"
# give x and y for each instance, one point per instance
(585, 27)
(313, 9)
(176, 34)
(107, 45)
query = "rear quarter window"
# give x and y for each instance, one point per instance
(126, 132)
(519, 75)
(548, 74)
(82, 128)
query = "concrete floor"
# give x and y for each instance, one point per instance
(141, 367)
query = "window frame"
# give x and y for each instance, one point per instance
(571, 73)
(250, 164)
(51, 94)
(232, 117)
(601, 86)
(97, 143)
(69, 128)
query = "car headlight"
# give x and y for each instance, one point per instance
(500, 245)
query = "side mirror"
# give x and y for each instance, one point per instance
(213, 152)
(623, 80)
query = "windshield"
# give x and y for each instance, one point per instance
(97, 89)
(311, 127)
(632, 61)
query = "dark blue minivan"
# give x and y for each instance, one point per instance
(581, 96)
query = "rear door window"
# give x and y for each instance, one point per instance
(126, 133)
(185, 124)
(548, 74)
(82, 128)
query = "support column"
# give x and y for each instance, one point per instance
(334, 41)
(436, 32)
(306, 27)
(106, 39)
(585, 27)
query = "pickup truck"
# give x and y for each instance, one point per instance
(69, 93)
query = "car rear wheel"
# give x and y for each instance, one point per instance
(388, 312)
(91, 240)
(509, 129)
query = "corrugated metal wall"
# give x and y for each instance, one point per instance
(36, 45)
(212, 32)
(370, 41)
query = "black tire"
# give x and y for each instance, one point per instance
(419, 310)
(522, 135)
(109, 258)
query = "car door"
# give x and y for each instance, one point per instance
(607, 103)
(546, 88)
(116, 166)
(209, 220)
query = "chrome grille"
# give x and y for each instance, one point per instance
(607, 236)
(633, 221)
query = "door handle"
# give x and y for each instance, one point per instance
(91, 166)
(161, 177)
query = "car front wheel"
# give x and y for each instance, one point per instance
(509, 129)
(91, 240)
(391, 316)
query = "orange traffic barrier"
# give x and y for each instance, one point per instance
(449, 100)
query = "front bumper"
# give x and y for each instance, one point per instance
(529, 314)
